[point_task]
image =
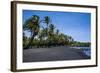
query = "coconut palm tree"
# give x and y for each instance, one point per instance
(32, 25)
(51, 29)
(47, 21)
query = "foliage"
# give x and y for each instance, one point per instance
(48, 36)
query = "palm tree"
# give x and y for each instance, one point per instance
(61, 39)
(51, 29)
(71, 40)
(32, 25)
(42, 33)
(66, 41)
(24, 39)
(57, 32)
(47, 21)
(51, 34)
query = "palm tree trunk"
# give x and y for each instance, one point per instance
(30, 42)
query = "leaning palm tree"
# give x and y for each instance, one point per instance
(47, 21)
(32, 25)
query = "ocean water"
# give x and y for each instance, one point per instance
(87, 51)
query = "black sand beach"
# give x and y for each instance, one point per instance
(53, 54)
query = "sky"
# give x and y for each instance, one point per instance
(75, 24)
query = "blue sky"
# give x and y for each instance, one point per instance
(75, 24)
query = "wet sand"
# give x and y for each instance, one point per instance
(53, 54)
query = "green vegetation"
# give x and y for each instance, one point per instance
(81, 44)
(46, 36)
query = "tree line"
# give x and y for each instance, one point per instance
(48, 36)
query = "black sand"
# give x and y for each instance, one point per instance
(53, 54)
